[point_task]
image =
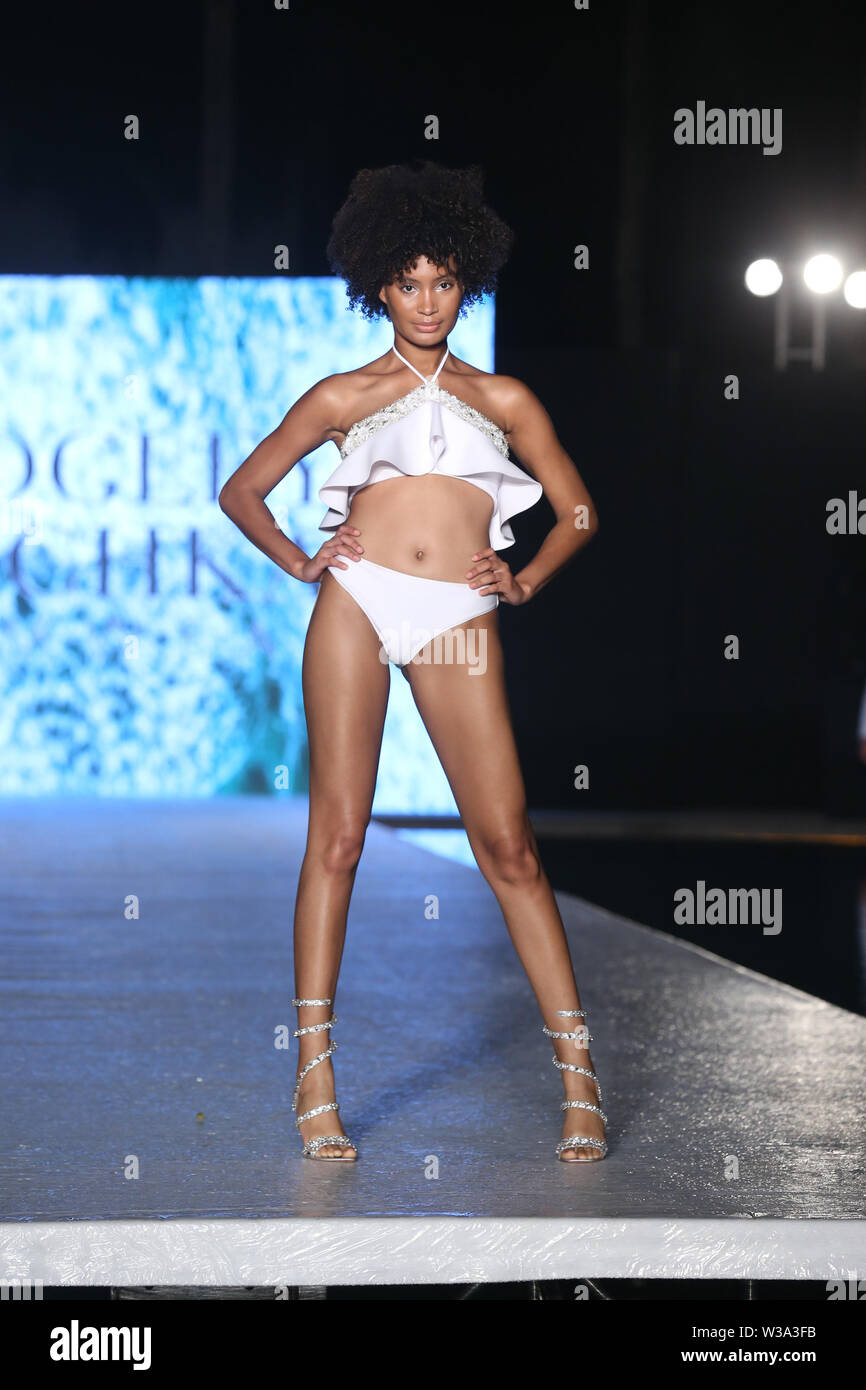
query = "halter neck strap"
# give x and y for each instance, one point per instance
(426, 380)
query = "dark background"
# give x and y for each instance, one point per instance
(712, 511)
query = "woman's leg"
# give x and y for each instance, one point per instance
(468, 720)
(345, 688)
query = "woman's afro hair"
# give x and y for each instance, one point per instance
(393, 215)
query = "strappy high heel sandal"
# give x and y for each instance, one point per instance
(312, 1146)
(580, 1037)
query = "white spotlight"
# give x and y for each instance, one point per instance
(763, 277)
(854, 289)
(822, 274)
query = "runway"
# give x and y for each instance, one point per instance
(147, 1130)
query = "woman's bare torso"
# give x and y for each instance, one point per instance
(429, 525)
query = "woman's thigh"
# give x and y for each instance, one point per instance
(345, 688)
(464, 707)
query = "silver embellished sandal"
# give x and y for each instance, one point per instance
(312, 1146)
(580, 1036)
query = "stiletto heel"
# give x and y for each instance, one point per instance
(580, 1037)
(312, 1146)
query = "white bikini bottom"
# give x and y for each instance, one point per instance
(407, 610)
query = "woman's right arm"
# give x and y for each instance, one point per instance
(309, 423)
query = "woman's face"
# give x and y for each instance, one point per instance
(425, 294)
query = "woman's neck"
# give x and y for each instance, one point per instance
(426, 364)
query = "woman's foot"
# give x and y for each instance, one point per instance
(577, 1120)
(318, 1088)
(314, 1101)
(583, 1117)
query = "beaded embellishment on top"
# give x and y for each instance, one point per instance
(364, 429)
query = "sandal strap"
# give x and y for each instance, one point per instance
(584, 1071)
(580, 1037)
(340, 1141)
(583, 1105)
(316, 1027)
(569, 1066)
(581, 1141)
(591, 1074)
(313, 1027)
(314, 1062)
(319, 1110)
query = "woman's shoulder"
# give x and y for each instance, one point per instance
(500, 397)
(353, 394)
(509, 391)
(347, 389)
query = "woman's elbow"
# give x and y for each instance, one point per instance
(585, 518)
(227, 498)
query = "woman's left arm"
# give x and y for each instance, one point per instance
(532, 438)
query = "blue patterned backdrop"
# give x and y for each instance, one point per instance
(146, 647)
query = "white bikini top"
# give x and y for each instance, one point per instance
(414, 435)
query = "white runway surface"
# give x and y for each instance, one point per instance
(147, 1131)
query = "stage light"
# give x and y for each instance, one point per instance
(822, 274)
(854, 289)
(763, 277)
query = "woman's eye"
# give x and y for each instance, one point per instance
(449, 284)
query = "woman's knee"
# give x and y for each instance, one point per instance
(510, 857)
(338, 847)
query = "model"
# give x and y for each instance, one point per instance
(418, 508)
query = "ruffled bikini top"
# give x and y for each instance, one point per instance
(430, 431)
